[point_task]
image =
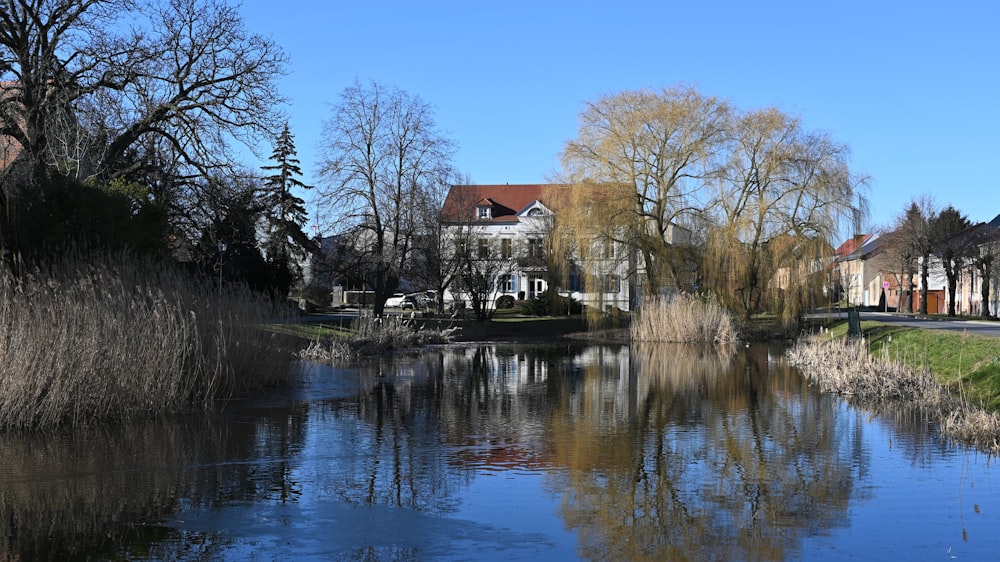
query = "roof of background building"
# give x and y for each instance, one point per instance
(505, 200)
(851, 245)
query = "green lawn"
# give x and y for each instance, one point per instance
(968, 364)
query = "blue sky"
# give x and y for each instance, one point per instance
(913, 88)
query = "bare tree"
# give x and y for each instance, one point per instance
(120, 88)
(485, 268)
(921, 226)
(437, 263)
(984, 243)
(198, 80)
(383, 160)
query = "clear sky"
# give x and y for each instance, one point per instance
(912, 87)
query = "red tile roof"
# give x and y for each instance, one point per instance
(851, 245)
(505, 200)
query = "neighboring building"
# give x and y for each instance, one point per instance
(968, 293)
(857, 280)
(863, 277)
(517, 222)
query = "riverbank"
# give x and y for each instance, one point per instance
(965, 363)
(884, 371)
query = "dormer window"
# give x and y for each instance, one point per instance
(536, 212)
(483, 212)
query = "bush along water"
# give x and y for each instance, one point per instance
(846, 368)
(117, 337)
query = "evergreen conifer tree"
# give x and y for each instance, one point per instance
(285, 243)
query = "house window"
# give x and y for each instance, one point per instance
(484, 249)
(575, 281)
(535, 247)
(536, 212)
(612, 283)
(506, 284)
(609, 249)
(506, 247)
(461, 248)
(483, 212)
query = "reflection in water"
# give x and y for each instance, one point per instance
(654, 452)
(103, 491)
(722, 459)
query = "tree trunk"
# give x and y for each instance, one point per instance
(924, 266)
(952, 284)
(984, 292)
(907, 301)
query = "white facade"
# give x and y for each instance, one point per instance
(518, 231)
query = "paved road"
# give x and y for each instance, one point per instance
(978, 327)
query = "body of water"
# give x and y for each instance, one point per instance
(510, 452)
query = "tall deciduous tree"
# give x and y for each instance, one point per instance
(654, 155)
(383, 157)
(914, 245)
(285, 243)
(762, 196)
(951, 246)
(984, 243)
(776, 209)
(130, 89)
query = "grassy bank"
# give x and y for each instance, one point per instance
(112, 338)
(903, 368)
(968, 365)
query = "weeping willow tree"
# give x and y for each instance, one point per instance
(642, 164)
(689, 194)
(779, 201)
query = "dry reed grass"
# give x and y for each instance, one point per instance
(846, 368)
(372, 336)
(115, 337)
(683, 319)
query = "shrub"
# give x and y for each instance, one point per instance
(377, 335)
(683, 318)
(116, 337)
(551, 304)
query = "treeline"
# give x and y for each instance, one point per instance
(119, 121)
(924, 240)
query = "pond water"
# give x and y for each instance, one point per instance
(510, 452)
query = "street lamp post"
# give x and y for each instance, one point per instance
(222, 249)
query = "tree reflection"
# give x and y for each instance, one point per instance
(656, 452)
(98, 492)
(724, 458)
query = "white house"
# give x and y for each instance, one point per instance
(517, 221)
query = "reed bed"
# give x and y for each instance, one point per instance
(683, 319)
(114, 337)
(846, 367)
(376, 335)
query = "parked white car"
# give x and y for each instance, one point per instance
(398, 300)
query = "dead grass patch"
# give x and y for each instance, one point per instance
(683, 319)
(115, 337)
